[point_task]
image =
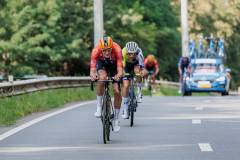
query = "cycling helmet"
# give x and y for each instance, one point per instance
(131, 47)
(106, 42)
(185, 60)
(150, 58)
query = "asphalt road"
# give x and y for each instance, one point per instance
(166, 128)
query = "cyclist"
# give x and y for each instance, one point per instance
(184, 63)
(151, 66)
(133, 61)
(106, 58)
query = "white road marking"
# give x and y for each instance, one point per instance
(196, 121)
(189, 117)
(205, 147)
(91, 148)
(34, 121)
(199, 108)
(207, 101)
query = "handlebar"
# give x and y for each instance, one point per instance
(105, 81)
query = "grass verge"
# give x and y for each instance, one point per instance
(13, 108)
(170, 91)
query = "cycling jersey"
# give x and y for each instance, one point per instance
(139, 58)
(184, 62)
(116, 56)
(150, 66)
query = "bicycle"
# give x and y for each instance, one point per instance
(184, 84)
(132, 106)
(107, 114)
(149, 82)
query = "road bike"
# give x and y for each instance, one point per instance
(107, 114)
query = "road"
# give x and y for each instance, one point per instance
(167, 128)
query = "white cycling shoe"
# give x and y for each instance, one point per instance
(179, 91)
(98, 112)
(125, 114)
(116, 127)
(139, 99)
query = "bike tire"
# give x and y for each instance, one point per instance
(108, 123)
(150, 89)
(131, 106)
(131, 118)
(105, 121)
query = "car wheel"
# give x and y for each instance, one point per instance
(225, 93)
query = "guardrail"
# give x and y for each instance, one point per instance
(27, 86)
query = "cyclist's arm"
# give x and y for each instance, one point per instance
(93, 63)
(145, 62)
(140, 59)
(118, 52)
(156, 67)
(179, 66)
(124, 56)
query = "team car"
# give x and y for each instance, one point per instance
(207, 75)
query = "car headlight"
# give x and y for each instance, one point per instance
(221, 78)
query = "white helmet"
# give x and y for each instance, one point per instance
(131, 47)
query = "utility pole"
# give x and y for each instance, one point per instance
(98, 20)
(184, 26)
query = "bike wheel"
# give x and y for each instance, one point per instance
(105, 121)
(131, 108)
(108, 124)
(150, 89)
(131, 118)
(183, 89)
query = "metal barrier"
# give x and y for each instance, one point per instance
(27, 86)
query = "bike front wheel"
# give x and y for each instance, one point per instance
(106, 122)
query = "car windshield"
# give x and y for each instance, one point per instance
(206, 68)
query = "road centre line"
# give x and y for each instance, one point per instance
(39, 119)
(189, 117)
(199, 108)
(205, 147)
(196, 121)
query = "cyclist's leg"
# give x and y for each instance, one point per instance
(180, 73)
(145, 77)
(102, 75)
(125, 92)
(117, 105)
(128, 69)
(117, 98)
(137, 71)
(153, 81)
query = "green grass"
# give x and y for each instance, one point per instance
(170, 91)
(13, 108)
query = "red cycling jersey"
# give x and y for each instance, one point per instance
(149, 64)
(116, 55)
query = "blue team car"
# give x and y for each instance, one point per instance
(207, 75)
